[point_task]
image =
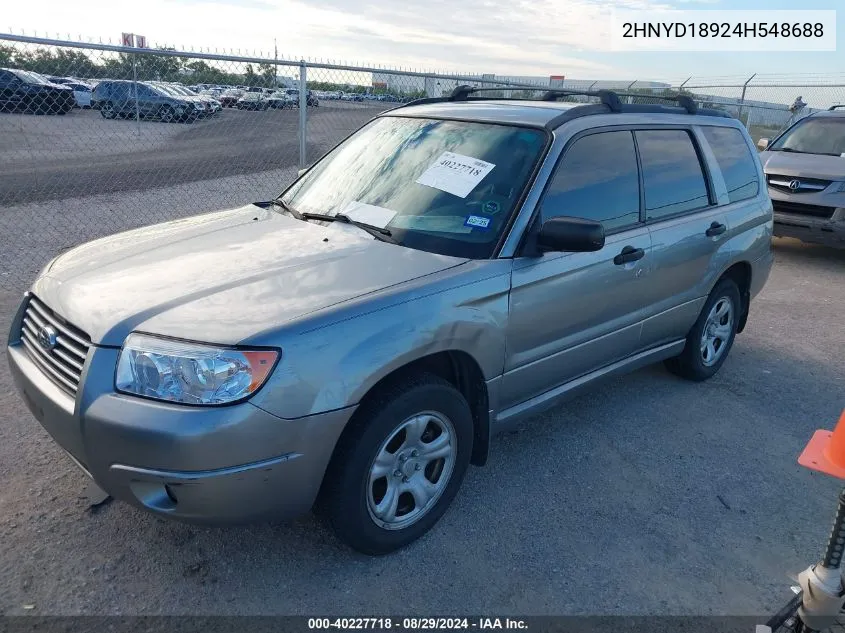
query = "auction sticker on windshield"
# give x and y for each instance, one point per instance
(455, 173)
(368, 214)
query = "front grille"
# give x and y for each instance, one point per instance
(803, 209)
(793, 184)
(64, 361)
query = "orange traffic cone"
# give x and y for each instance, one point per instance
(825, 452)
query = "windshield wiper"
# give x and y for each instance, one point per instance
(790, 150)
(284, 205)
(378, 232)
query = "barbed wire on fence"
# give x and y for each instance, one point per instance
(144, 135)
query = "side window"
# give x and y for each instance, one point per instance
(597, 179)
(735, 161)
(6, 77)
(672, 175)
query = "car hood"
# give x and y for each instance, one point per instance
(222, 277)
(804, 165)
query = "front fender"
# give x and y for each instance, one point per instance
(335, 365)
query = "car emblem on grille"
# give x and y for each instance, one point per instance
(47, 337)
(794, 185)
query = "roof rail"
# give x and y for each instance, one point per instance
(607, 97)
(838, 105)
(685, 101)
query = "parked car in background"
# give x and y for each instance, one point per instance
(81, 94)
(805, 172)
(177, 90)
(281, 100)
(21, 90)
(448, 271)
(118, 99)
(352, 96)
(252, 101)
(310, 98)
(229, 98)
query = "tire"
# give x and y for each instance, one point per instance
(167, 114)
(704, 355)
(107, 110)
(354, 491)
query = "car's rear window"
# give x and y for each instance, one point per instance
(735, 161)
(448, 187)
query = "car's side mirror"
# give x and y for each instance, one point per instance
(763, 143)
(574, 235)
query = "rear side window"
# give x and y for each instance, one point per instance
(672, 175)
(597, 180)
(735, 162)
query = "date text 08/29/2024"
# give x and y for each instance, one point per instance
(417, 623)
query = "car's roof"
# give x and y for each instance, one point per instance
(516, 112)
(548, 114)
(829, 113)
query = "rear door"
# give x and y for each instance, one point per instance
(686, 225)
(571, 313)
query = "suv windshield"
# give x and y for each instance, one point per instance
(814, 135)
(447, 187)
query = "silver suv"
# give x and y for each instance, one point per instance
(455, 266)
(805, 172)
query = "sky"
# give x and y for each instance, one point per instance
(505, 37)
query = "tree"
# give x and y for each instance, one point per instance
(268, 73)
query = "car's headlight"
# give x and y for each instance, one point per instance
(190, 373)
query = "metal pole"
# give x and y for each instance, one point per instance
(275, 65)
(135, 88)
(303, 113)
(742, 98)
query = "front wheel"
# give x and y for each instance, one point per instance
(167, 114)
(712, 336)
(107, 110)
(398, 465)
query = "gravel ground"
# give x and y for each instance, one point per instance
(649, 495)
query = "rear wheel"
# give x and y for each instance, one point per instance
(712, 336)
(398, 465)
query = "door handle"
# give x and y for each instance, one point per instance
(717, 228)
(628, 254)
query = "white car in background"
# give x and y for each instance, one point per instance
(81, 94)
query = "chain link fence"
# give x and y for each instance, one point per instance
(98, 138)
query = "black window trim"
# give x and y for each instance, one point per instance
(762, 185)
(533, 226)
(712, 200)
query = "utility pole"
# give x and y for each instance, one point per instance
(276, 65)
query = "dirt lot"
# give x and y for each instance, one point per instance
(649, 495)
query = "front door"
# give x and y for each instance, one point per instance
(572, 313)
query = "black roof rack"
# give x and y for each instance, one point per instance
(610, 99)
(685, 101)
(834, 107)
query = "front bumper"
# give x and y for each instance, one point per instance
(830, 232)
(211, 465)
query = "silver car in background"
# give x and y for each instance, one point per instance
(805, 172)
(453, 267)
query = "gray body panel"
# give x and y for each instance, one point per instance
(346, 311)
(790, 218)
